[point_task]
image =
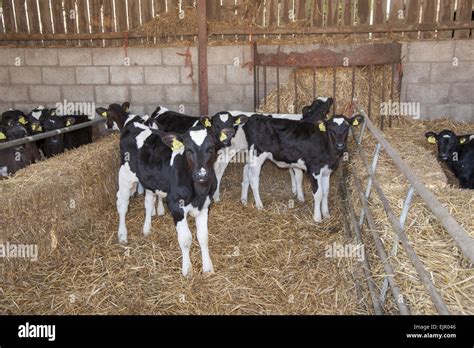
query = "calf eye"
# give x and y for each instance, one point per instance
(189, 152)
(210, 150)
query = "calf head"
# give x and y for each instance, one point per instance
(115, 115)
(200, 149)
(40, 114)
(318, 109)
(448, 143)
(224, 126)
(14, 117)
(53, 145)
(16, 131)
(337, 129)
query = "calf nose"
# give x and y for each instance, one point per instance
(444, 157)
(341, 146)
(201, 175)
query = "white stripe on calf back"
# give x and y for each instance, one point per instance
(141, 138)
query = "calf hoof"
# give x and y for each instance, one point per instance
(300, 199)
(244, 201)
(123, 241)
(216, 199)
(317, 219)
(259, 206)
(161, 211)
(146, 231)
(208, 269)
(326, 215)
(187, 272)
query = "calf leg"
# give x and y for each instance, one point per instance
(185, 240)
(219, 168)
(254, 176)
(127, 182)
(140, 189)
(298, 173)
(160, 210)
(149, 207)
(293, 181)
(202, 236)
(245, 185)
(316, 180)
(325, 205)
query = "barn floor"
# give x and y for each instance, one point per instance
(267, 262)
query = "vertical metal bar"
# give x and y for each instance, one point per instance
(257, 74)
(371, 75)
(202, 59)
(353, 82)
(334, 90)
(314, 83)
(278, 89)
(382, 117)
(255, 86)
(391, 94)
(369, 180)
(265, 86)
(296, 95)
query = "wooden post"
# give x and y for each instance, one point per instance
(202, 59)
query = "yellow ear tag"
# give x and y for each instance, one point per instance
(432, 140)
(2, 136)
(462, 140)
(176, 145)
(322, 127)
(126, 109)
(34, 126)
(104, 114)
(22, 120)
(222, 136)
(68, 123)
(355, 123)
(207, 124)
(39, 129)
(237, 121)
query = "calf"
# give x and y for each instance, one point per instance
(115, 115)
(17, 157)
(12, 117)
(318, 110)
(78, 137)
(457, 151)
(315, 148)
(54, 145)
(176, 166)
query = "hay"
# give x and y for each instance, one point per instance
(269, 261)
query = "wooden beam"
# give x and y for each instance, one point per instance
(385, 28)
(202, 58)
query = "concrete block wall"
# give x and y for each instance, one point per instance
(440, 76)
(146, 77)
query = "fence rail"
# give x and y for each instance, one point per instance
(82, 21)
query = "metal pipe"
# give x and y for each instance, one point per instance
(375, 160)
(202, 58)
(455, 230)
(396, 292)
(45, 135)
(365, 265)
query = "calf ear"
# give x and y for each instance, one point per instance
(432, 137)
(464, 138)
(101, 111)
(240, 120)
(321, 125)
(356, 120)
(52, 112)
(70, 121)
(305, 110)
(126, 106)
(172, 140)
(206, 121)
(2, 136)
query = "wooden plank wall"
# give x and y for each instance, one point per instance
(96, 16)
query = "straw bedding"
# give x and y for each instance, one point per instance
(269, 261)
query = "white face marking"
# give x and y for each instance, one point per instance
(446, 136)
(338, 120)
(36, 114)
(162, 110)
(224, 117)
(175, 153)
(323, 99)
(471, 137)
(198, 136)
(142, 137)
(195, 123)
(115, 126)
(202, 171)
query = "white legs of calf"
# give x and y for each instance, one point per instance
(149, 207)
(202, 236)
(321, 196)
(245, 185)
(298, 175)
(325, 203)
(219, 169)
(185, 240)
(127, 183)
(160, 210)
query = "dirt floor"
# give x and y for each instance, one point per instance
(267, 262)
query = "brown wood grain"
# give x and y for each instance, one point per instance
(463, 13)
(446, 16)
(413, 13)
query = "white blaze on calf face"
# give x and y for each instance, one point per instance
(224, 117)
(338, 120)
(446, 136)
(198, 136)
(162, 110)
(36, 114)
(323, 99)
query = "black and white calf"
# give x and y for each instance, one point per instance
(115, 115)
(318, 110)
(457, 151)
(315, 148)
(78, 137)
(176, 166)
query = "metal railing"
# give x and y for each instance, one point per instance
(452, 227)
(33, 138)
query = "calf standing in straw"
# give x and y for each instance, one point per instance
(176, 166)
